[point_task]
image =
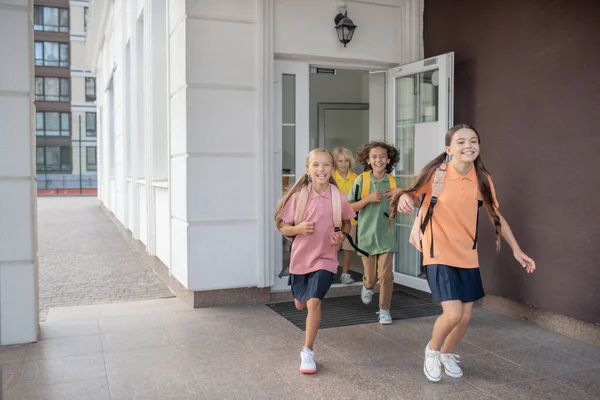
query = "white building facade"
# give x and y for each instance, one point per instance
(206, 110)
(18, 228)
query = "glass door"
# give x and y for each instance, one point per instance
(420, 104)
(291, 146)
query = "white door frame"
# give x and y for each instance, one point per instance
(301, 123)
(445, 64)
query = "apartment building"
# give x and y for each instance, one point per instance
(65, 95)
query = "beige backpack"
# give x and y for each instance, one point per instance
(419, 226)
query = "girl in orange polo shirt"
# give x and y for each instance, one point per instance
(449, 240)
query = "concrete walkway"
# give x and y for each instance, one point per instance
(160, 349)
(84, 258)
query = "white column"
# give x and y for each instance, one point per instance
(18, 228)
(148, 124)
(217, 87)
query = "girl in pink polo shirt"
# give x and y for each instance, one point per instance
(313, 260)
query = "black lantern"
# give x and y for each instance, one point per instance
(344, 27)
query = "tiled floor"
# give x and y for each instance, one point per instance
(160, 349)
(84, 258)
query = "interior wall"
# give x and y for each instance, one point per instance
(527, 77)
(346, 86)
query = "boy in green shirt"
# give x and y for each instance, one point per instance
(374, 235)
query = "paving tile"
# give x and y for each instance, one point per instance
(496, 339)
(128, 323)
(470, 395)
(11, 394)
(274, 344)
(409, 381)
(74, 313)
(488, 370)
(187, 317)
(62, 370)
(53, 330)
(584, 350)
(11, 373)
(245, 311)
(13, 353)
(65, 347)
(199, 332)
(131, 340)
(546, 360)
(179, 384)
(413, 336)
(261, 326)
(94, 389)
(539, 389)
(202, 354)
(125, 363)
(587, 381)
(85, 259)
(135, 308)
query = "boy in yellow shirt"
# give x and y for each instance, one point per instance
(345, 177)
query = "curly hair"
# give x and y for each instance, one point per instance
(362, 155)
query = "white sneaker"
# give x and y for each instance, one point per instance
(346, 278)
(450, 363)
(308, 365)
(384, 317)
(432, 366)
(366, 295)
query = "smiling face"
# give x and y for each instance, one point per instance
(378, 159)
(464, 146)
(320, 167)
(342, 164)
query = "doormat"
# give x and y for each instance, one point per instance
(350, 310)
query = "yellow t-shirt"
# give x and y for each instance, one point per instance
(345, 185)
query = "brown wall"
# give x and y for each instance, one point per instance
(527, 75)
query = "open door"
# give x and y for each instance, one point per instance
(420, 109)
(291, 145)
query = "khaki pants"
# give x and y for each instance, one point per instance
(380, 267)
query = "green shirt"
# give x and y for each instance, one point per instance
(374, 234)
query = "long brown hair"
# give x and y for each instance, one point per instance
(483, 179)
(300, 183)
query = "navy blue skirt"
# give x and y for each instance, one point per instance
(314, 285)
(451, 283)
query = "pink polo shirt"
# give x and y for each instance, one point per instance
(314, 252)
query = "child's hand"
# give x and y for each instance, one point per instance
(306, 228)
(337, 238)
(406, 204)
(525, 261)
(375, 197)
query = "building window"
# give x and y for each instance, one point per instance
(86, 12)
(90, 158)
(52, 124)
(51, 19)
(50, 54)
(51, 89)
(90, 89)
(90, 124)
(53, 158)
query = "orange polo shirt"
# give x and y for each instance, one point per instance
(454, 220)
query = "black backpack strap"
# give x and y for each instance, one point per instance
(356, 198)
(428, 220)
(351, 241)
(479, 204)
